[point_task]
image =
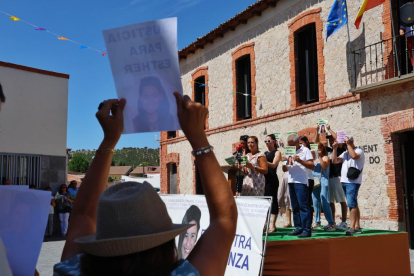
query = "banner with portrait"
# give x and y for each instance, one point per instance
(247, 249)
(146, 73)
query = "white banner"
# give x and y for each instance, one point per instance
(246, 252)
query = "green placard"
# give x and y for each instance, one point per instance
(278, 135)
(244, 160)
(292, 133)
(322, 121)
(231, 160)
(314, 147)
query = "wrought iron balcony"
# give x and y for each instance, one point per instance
(383, 63)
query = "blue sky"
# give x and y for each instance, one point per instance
(90, 75)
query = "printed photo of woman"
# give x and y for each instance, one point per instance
(289, 161)
(153, 107)
(188, 239)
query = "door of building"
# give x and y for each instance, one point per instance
(407, 152)
(173, 178)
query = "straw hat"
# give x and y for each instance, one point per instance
(131, 218)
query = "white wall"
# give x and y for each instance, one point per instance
(34, 118)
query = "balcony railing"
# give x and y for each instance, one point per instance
(383, 62)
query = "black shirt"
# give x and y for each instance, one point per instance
(335, 169)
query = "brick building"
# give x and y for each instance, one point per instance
(266, 52)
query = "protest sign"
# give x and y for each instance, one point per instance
(322, 122)
(289, 153)
(231, 160)
(244, 160)
(340, 136)
(292, 133)
(247, 248)
(278, 136)
(144, 63)
(23, 217)
(314, 148)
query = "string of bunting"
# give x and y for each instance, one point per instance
(37, 28)
(234, 92)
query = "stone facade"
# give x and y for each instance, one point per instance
(372, 117)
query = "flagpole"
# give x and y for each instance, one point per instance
(351, 63)
(393, 39)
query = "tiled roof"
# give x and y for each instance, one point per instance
(148, 170)
(120, 170)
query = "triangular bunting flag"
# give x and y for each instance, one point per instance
(103, 54)
(40, 29)
(83, 47)
(14, 18)
(62, 38)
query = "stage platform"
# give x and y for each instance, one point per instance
(374, 252)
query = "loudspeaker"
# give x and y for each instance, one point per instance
(407, 14)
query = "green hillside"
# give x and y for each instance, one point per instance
(125, 156)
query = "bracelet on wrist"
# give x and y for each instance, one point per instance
(202, 150)
(102, 151)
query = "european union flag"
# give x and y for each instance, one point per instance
(338, 17)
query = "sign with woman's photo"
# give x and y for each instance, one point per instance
(247, 249)
(145, 68)
(289, 153)
(322, 122)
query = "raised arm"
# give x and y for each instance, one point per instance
(317, 134)
(83, 217)
(333, 133)
(351, 150)
(211, 253)
(335, 158)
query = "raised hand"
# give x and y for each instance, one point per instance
(192, 117)
(111, 118)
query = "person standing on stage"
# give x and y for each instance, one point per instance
(320, 194)
(255, 169)
(353, 161)
(335, 186)
(304, 141)
(298, 188)
(238, 153)
(273, 157)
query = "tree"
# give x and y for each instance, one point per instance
(79, 163)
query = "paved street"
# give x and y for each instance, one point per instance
(49, 256)
(51, 251)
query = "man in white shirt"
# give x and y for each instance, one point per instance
(298, 188)
(353, 157)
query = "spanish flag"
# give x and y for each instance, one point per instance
(366, 5)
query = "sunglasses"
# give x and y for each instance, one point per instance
(268, 141)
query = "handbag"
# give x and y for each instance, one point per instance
(317, 180)
(353, 173)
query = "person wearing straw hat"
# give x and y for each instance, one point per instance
(126, 229)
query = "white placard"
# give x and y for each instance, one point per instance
(246, 251)
(23, 218)
(144, 63)
(340, 136)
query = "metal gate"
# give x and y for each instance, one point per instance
(21, 169)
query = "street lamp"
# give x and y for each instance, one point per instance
(143, 170)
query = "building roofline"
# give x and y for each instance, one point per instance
(33, 70)
(230, 25)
